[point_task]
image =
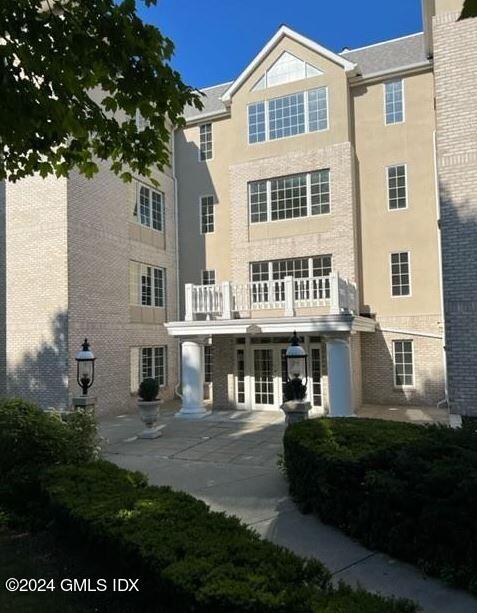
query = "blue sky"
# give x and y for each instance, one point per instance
(216, 39)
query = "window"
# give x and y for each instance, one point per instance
(394, 101)
(256, 123)
(286, 69)
(400, 274)
(289, 197)
(141, 123)
(316, 376)
(208, 277)
(206, 214)
(150, 204)
(240, 376)
(288, 115)
(153, 364)
(146, 285)
(205, 152)
(397, 188)
(403, 363)
(208, 363)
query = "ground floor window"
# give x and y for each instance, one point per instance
(240, 376)
(208, 363)
(403, 354)
(148, 363)
(316, 376)
(263, 369)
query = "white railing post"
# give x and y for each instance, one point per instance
(189, 302)
(335, 294)
(226, 300)
(289, 297)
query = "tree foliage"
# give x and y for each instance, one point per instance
(74, 75)
(469, 9)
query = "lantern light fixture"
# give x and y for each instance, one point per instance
(85, 367)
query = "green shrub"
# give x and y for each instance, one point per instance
(408, 490)
(189, 558)
(32, 439)
(148, 389)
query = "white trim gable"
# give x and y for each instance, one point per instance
(283, 32)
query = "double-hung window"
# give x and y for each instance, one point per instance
(153, 364)
(147, 285)
(403, 357)
(397, 187)
(288, 115)
(206, 150)
(207, 220)
(400, 273)
(394, 101)
(298, 195)
(149, 207)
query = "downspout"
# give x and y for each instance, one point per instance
(445, 400)
(176, 224)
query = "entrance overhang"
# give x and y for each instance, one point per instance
(322, 324)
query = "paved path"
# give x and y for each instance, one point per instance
(229, 460)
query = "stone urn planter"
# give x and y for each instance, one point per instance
(148, 406)
(295, 411)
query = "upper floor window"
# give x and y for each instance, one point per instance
(205, 151)
(394, 101)
(286, 69)
(149, 207)
(288, 197)
(207, 217)
(288, 116)
(147, 285)
(400, 274)
(208, 277)
(397, 187)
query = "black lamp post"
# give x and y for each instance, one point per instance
(85, 367)
(297, 370)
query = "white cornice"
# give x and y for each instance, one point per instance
(400, 70)
(285, 31)
(325, 324)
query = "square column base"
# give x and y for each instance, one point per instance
(198, 413)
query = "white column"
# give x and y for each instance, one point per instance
(192, 381)
(340, 387)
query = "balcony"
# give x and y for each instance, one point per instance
(332, 295)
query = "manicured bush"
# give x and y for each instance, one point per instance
(189, 558)
(148, 390)
(32, 439)
(405, 489)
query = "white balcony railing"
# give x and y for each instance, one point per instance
(230, 300)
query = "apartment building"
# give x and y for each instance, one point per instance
(309, 201)
(305, 197)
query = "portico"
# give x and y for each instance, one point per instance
(250, 366)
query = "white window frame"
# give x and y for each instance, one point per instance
(391, 253)
(139, 185)
(137, 293)
(205, 271)
(308, 198)
(310, 264)
(307, 119)
(201, 213)
(207, 123)
(153, 363)
(394, 123)
(396, 384)
(404, 208)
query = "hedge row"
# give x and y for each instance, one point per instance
(405, 489)
(189, 558)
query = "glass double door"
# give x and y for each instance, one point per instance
(261, 373)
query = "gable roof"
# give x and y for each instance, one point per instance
(389, 55)
(398, 53)
(283, 31)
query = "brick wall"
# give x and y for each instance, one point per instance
(223, 373)
(456, 109)
(377, 362)
(3, 296)
(338, 239)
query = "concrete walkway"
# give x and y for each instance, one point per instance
(229, 460)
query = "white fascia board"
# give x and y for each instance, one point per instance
(299, 38)
(325, 324)
(400, 70)
(207, 116)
